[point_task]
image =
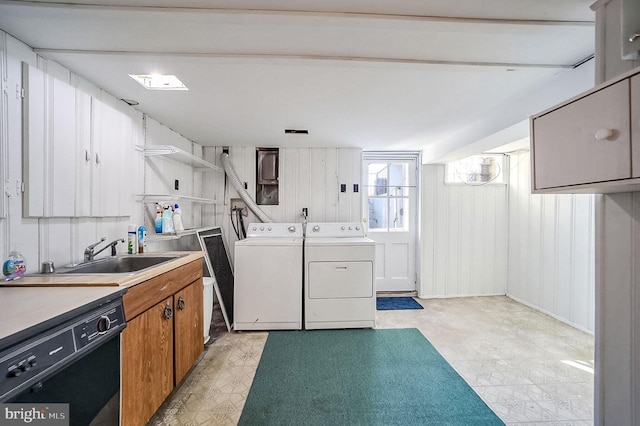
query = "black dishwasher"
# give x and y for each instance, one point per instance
(71, 359)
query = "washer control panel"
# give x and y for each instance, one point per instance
(274, 230)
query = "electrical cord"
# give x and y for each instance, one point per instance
(241, 224)
(235, 229)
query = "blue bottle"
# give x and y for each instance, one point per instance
(142, 239)
(158, 222)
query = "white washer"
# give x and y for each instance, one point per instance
(339, 284)
(268, 278)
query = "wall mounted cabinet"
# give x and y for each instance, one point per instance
(591, 143)
(50, 136)
(76, 149)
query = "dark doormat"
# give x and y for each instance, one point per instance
(396, 303)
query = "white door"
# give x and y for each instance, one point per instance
(392, 218)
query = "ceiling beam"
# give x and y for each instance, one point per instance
(287, 12)
(282, 56)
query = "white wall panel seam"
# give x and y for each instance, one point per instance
(635, 313)
(572, 257)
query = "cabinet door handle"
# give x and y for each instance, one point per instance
(168, 312)
(87, 156)
(97, 159)
(603, 134)
(634, 36)
(181, 303)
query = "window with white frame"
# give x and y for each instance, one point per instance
(481, 169)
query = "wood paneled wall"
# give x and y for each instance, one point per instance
(551, 249)
(464, 237)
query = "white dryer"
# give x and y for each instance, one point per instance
(268, 278)
(339, 281)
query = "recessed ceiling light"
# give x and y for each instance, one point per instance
(159, 81)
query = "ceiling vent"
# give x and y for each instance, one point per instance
(296, 132)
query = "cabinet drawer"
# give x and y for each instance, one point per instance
(566, 150)
(146, 294)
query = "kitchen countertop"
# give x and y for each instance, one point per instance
(34, 299)
(22, 308)
(107, 280)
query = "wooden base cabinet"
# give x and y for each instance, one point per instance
(163, 339)
(187, 328)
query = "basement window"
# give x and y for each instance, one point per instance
(489, 169)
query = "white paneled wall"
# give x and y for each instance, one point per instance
(464, 237)
(309, 177)
(551, 249)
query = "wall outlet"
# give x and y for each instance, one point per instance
(238, 204)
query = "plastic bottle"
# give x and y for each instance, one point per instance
(142, 239)
(14, 267)
(167, 222)
(158, 222)
(132, 240)
(177, 219)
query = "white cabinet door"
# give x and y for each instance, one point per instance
(84, 156)
(111, 136)
(62, 150)
(49, 145)
(34, 106)
(635, 126)
(571, 145)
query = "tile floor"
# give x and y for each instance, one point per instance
(529, 368)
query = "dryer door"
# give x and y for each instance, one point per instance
(335, 280)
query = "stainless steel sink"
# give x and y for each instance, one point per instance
(116, 265)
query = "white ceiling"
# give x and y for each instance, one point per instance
(404, 74)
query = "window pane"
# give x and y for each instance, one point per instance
(378, 213)
(378, 179)
(398, 213)
(398, 174)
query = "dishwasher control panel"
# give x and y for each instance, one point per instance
(26, 363)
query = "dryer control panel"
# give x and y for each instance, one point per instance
(334, 230)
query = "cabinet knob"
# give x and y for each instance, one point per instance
(168, 312)
(603, 134)
(181, 304)
(634, 36)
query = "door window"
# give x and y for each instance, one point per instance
(388, 196)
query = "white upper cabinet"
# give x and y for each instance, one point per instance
(110, 136)
(34, 141)
(590, 144)
(49, 142)
(585, 141)
(75, 158)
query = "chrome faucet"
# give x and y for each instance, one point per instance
(90, 255)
